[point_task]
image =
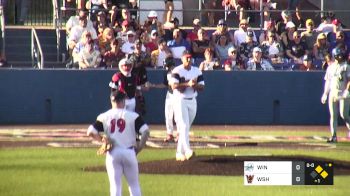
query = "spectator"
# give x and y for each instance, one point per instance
(125, 29)
(221, 48)
(133, 24)
(341, 41)
(101, 23)
(74, 21)
(234, 62)
(326, 25)
(281, 23)
(337, 25)
(178, 41)
(209, 62)
(295, 5)
(246, 48)
(200, 45)
(209, 5)
(241, 34)
(140, 58)
(287, 36)
(105, 40)
(193, 35)
(310, 35)
(112, 57)
(133, 9)
(307, 63)
(270, 26)
(272, 49)
(85, 38)
(257, 62)
(296, 49)
(89, 57)
(158, 56)
(77, 31)
(239, 5)
(152, 18)
(168, 13)
(321, 47)
(152, 44)
(221, 30)
(128, 47)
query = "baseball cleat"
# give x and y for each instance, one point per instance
(189, 155)
(332, 140)
(169, 138)
(180, 157)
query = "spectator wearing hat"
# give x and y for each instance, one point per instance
(74, 21)
(158, 56)
(201, 44)
(169, 9)
(89, 57)
(193, 35)
(246, 48)
(209, 63)
(221, 48)
(309, 35)
(152, 43)
(234, 61)
(287, 35)
(272, 48)
(321, 47)
(256, 62)
(296, 49)
(307, 63)
(240, 35)
(152, 18)
(221, 30)
(129, 46)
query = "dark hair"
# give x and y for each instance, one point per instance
(117, 95)
(161, 40)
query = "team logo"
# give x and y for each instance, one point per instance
(249, 167)
(249, 178)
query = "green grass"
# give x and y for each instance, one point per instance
(58, 171)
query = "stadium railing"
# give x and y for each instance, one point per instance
(36, 51)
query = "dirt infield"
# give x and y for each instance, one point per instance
(219, 165)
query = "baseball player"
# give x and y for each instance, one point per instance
(186, 81)
(169, 65)
(336, 89)
(126, 82)
(120, 127)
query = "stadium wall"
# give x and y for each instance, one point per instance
(242, 97)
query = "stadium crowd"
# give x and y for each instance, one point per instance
(104, 31)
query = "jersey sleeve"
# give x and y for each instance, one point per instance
(97, 126)
(140, 125)
(175, 78)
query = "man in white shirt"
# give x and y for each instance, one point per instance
(186, 81)
(240, 35)
(129, 46)
(77, 31)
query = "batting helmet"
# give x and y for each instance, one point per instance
(338, 53)
(168, 62)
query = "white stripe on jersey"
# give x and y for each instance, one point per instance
(187, 75)
(119, 126)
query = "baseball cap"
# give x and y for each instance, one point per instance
(196, 21)
(117, 95)
(152, 14)
(257, 49)
(250, 33)
(307, 57)
(186, 53)
(309, 22)
(130, 33)
(290, 25)
(222, 22)
(154, 32)
(336, 22)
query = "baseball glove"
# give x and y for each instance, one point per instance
(105, 147)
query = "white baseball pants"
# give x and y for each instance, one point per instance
(185, 112)
(121, 161)
(169, 113)
(342, 107)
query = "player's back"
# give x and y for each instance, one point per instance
(119, 126)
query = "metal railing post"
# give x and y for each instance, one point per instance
(39, 55)
(2, 21)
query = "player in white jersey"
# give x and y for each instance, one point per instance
(336, 88)
(186, 81)
(120, 127)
